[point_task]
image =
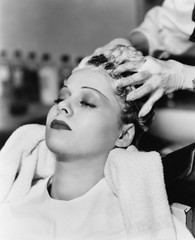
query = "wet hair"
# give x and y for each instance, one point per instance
(130, 109)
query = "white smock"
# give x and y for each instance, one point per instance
(170, 27)
(95, 215)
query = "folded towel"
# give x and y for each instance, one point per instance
(136, 178)
(24, 156)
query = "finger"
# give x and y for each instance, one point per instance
(116, 53)
(150, 102)
(120, 41)
(164, 55)
(106, 49)
(124, 67)
(135, 79)
(97, 51)
(140, 92)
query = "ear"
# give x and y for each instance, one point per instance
(126, 136)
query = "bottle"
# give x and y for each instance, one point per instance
(18, 103)
(48, 80)
(31, 77)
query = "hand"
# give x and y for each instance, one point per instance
(157, 78)
(108, 48)
(112, 50)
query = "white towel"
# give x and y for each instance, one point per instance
(25, 153)
(135, 177)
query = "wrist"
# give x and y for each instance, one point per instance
(189, 76)
(183, 75)
(139, 41)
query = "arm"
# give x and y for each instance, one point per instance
(187, 57)
(145, 37)
(139, 41)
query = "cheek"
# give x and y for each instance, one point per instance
(104, 126)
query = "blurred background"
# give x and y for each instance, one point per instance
(42, 41)
(71, 26)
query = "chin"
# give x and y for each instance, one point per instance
(54, 146)
(51, 147)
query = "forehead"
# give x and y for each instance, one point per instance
(91, 78)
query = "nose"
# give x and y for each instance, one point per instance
(65, 108)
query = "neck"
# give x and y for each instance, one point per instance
(73, 178)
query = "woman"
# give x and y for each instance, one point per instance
(96, 188)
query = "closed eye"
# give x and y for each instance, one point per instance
(58, 100)
(86, 104)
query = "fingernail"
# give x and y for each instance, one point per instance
(140, 115)
(130, 98)
(144, 111)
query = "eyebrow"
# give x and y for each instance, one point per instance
(85, 87)
(96, 91)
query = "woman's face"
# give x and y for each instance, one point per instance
(85, 121)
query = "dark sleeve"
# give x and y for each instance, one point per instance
(192, 36)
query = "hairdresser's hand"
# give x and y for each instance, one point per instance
(157, 78)
(108, 48)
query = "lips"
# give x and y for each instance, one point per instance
(58, 124)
